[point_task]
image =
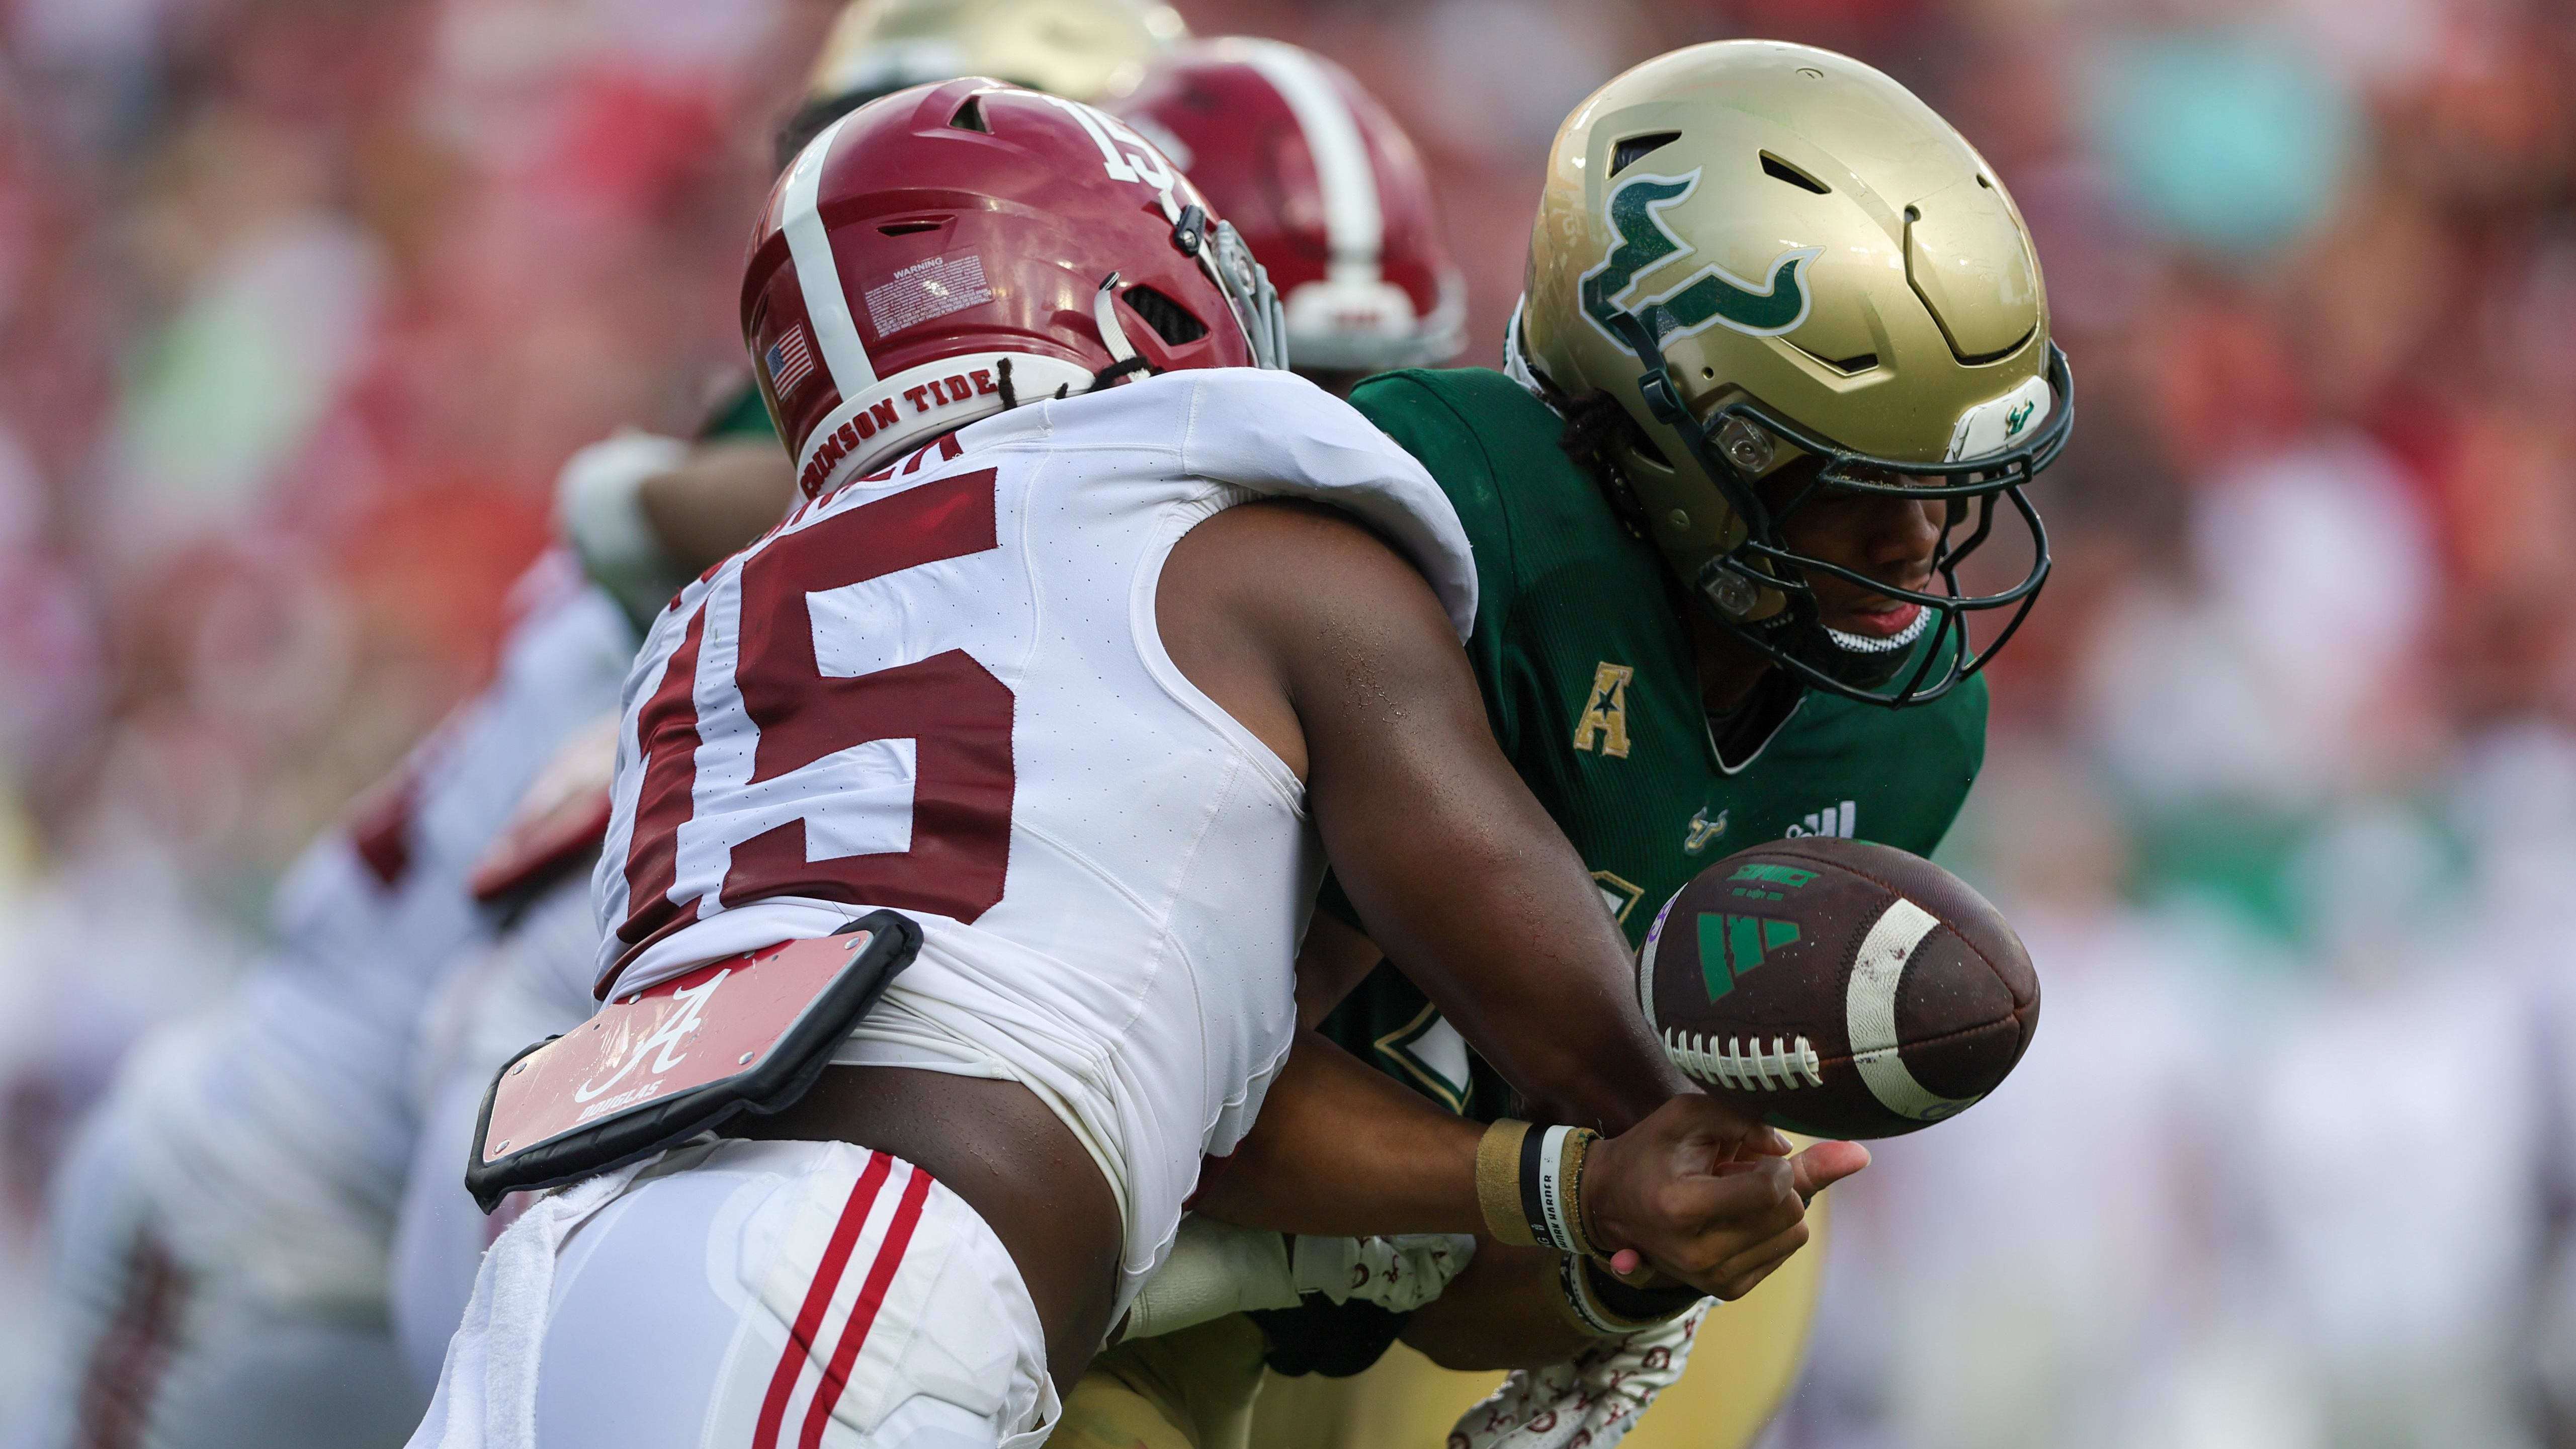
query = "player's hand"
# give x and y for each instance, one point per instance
(1707, 1196)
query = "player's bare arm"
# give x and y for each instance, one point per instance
(1346, 667)
(727, 492)
(1340, 1150)
(1330, 648)
(1325, 644)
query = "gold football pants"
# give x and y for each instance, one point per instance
(1204, 1387)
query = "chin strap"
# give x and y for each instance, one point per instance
(1124, 360)
(1104, 314)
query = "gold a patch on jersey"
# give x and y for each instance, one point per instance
(1605, 712)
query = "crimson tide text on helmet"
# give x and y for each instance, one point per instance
(1326, 189)
(1792, 280)
(947, 251)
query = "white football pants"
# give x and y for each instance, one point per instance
(747, 1295)
(152, 1351)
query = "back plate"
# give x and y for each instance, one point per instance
(749, 1033)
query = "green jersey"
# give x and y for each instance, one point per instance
(1591, 686)
(742, 413)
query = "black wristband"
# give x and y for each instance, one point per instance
(1634, 1303)
(1602, 1306)
(1533, 1206)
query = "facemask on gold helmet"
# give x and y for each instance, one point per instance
(1795, 280)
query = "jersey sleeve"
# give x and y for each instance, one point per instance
(1276, 433)
(1418, 411)
(1966, 720)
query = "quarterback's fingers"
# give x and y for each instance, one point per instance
(1745, 1271)
(1823, 1165)
(1736, 1274)
(1666, 1181)
(1745, 1199)
(1722, 1130)
(1701, 1221)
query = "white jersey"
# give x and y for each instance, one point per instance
(276, 1133)
(532, 983)
(941, 690)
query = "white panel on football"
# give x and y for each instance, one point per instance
(1870, 1011)
(1646, 962)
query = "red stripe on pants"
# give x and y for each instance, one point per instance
(818, 1298)
(863, 1313)
(125, 1367)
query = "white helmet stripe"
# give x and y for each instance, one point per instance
(1354, 224)
(827, 306)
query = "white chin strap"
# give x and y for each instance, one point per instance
(1875, 644)
(1113, 332)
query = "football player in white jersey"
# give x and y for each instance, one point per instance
(648, 523)
(646, 516)
(219, 1227)
(1079, 679)
(220, 1230)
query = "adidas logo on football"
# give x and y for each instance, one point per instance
(1832, 820)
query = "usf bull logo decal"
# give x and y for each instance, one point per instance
(1709, 297)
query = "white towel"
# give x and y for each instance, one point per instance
(487, 1389)
(1593, 1401)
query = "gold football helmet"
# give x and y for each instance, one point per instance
(1782, 261)
(1082, 50)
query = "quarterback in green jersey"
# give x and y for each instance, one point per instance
(1768, 391)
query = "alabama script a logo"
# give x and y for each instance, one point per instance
(673, 1035)
(1709, 297)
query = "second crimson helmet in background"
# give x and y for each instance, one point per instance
(942, 251)
(1326, 189)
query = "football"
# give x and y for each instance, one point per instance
(1839, 988)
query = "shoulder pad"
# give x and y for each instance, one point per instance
(562, 818)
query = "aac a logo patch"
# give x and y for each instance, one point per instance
(1709, 297)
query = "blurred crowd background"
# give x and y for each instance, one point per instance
(303, 302)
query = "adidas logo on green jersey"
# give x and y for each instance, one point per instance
(1832, 820)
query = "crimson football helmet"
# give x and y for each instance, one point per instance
(947, 251)
(1326, 189)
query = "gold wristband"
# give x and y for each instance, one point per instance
(1498, 1182)
(1578, 1306)
(1601, 1306)
(1578, 1228)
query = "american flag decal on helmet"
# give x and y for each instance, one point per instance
(790, 362)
